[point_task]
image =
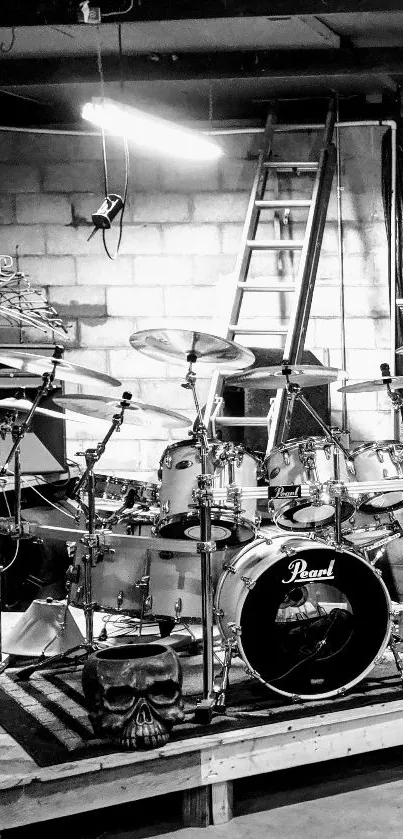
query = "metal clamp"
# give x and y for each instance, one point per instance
(206, 547)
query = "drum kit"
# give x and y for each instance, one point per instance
(301, 601)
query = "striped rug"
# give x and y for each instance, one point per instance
(46, 714)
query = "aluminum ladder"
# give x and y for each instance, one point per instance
(303, 288)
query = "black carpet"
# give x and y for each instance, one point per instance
(46, 714)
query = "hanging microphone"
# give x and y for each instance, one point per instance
(103, 217)
(385, 370)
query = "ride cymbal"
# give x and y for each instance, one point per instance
(394, 382)
(24, 406)
(66, 371)
(136, 413)
(187, 345)
(273, 378)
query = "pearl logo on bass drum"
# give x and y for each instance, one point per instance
(300, 574)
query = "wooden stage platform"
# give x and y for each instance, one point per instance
(203, 768)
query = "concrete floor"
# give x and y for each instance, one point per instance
(369, 813)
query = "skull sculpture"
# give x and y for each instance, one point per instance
(133, 694)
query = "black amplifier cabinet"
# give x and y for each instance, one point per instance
(43, 449)
(250, 402)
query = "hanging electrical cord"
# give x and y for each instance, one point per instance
(124, 199)
(387, 188)
(113, 204)
(102, 81)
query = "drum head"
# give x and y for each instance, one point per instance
(305, 516)
(225, 529)
(313, 625)
(383, 502)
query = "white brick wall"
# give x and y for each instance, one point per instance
(181, 235)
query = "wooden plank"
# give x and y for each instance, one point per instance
(38, 801)
(28, 797)
(196, 807)
(14, 760)
(222, 802)
(300, 744)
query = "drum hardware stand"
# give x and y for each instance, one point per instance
(205, 548)
(294, 393)
(91, 541)
(18, 432)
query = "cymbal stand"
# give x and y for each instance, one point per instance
(395, 397)
(18, 432)
(205, 549)
(294, 393)
(91, 539)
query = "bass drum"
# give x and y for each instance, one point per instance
(309, 621)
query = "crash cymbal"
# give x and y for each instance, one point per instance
(395, 383)
(136, 413)
(273, 378)
(66, 371)
(186, 345)
(24, 406)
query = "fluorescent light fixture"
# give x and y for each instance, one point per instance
(149, 131)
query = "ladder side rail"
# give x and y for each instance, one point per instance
(251, 221)
(244, 256)
(295, 342)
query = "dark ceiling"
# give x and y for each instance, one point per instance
(193, 60)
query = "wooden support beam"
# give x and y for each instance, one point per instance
(222, 802)
(196, 807)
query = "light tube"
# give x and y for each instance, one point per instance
(152, 132)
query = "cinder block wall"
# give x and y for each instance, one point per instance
(181, 234)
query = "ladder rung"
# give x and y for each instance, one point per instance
(273, 287)
(242, 330)
(275, 244)
(258, 421)
(290, 165)
(273, 204)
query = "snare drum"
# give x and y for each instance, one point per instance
(379, 461)
(302, 461)
(180, 467)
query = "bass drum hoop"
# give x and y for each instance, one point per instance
(230, 573)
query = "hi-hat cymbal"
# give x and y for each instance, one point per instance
(273, 378)
(185, 345)
(12, 405)
(66, 371)
(395, 382)
(136, 413)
